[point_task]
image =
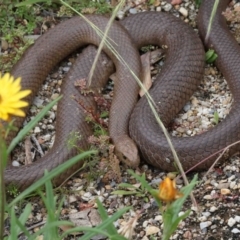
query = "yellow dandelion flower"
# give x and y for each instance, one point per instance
(168, 191)
(10, 97)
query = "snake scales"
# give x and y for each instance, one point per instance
(177, 81)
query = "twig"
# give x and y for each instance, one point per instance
(37, 145)
(225, 149)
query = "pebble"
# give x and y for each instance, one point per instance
(213, 209)
(183, 11)
(66, 69)
(233, 185)
(38, 102)
(120, 15)
(46, 137)
(208, 197)
(152, 230)
(225, 191)
(15, 163)
(231, 222)
(133, 10)
(37, 130)
(54, 96)
(207, 214)
(205, 224)
(237, 218)
(167, 7)
(235, 230)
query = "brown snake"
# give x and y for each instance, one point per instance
(177, 81)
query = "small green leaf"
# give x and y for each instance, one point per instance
(126, 185)
(123, 192)
(216, 117)
(104, 114)
(210, 56)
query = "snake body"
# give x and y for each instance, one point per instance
(177, 81)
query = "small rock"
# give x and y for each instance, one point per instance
(38, 102)
(72, 199)
(205, 224)
(152, 230)
(158, 218)
(237, 218)
(37, 130)
(120, 15)
(206, 214)
(208, 197)
(183, 11)
(225, 191)
(223, 185)
(233, 185)
(132, 10)
(15, 163)
(66, 69)
(235, 230)
(187, 107)
(54, 96)
(231, 222)
(46, 137)
(213, 209)
(167, 7)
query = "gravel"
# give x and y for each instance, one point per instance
(217, 195)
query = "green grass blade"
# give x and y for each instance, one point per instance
(49, 226)
(24, 217)
(51, 175)
(104, 216)
(29, 2)
(141, 179)
(3, 161)
(31, 125)
(213, 13)
(105, 223)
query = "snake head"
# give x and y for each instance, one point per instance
(127, 152)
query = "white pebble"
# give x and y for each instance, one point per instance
(133, 10)
(207, 197)
(237, 218)
(202, 218)
(207, 214)
(205, 224)
(233, 185)
(187, 107)
(158, 218)
(213, 209)
(183, 11)
(235, 230)
(167, 7)
(15, 163)
(46, 137)
(37, 130)
(120, 15)
(231, 178)
(38, 102)
(231, 222)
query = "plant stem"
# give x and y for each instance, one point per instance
(2, 186)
